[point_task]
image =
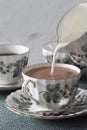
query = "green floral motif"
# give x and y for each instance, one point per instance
(23, 103)
(69, 60)
(14, 68)
(54, 93)
(77, 58)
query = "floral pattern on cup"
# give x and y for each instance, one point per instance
(54, 93)
(68, 56)
(14, 68)
(67, 60)
(46, 92)
(77, 105)
(77, 58)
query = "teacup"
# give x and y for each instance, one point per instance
(55, 94)
(13, 58)
(61, 57)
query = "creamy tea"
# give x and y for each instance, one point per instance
(44, 73)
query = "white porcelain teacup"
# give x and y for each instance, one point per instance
(61, 57)
(13, 58)
(48, 49)
(55, 94)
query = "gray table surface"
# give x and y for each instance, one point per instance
(33, 23)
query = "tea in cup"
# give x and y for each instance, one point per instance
(13, 58)
(51, 91)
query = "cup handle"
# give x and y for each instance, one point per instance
(26, 91)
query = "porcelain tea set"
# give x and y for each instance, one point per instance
(43, 98)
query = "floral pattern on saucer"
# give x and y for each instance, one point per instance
(23, 103)
(20, 104)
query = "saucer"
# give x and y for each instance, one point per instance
(19, 104)
(14, 86)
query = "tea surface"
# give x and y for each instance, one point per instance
(44, 73)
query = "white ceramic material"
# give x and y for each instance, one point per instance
(20, 104)
(7, 87)
(48, 49)
(62, 56)
(52, 94)
(73, 24)
(12, 65)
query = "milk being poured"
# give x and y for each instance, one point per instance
(59, 46)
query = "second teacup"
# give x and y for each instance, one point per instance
(13, 58)
(61, 57)
(51, 91)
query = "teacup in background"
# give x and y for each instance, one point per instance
(51, 94)
(62, 56)
(48, 49)
(77, 50)
(11, 65)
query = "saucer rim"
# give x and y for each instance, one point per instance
(14, 86)
(38, 116)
